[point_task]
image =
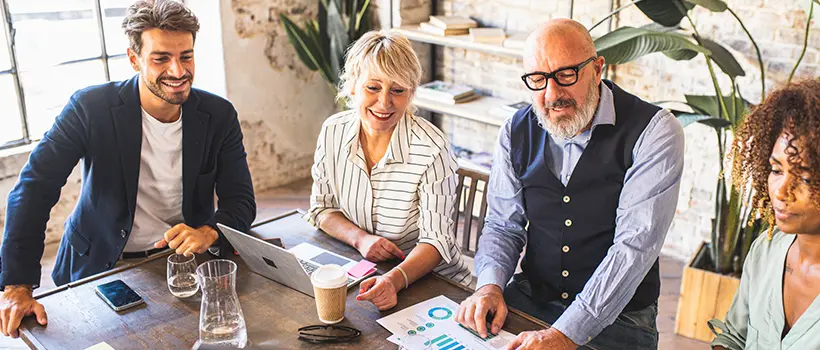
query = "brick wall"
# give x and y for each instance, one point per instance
(777, 26)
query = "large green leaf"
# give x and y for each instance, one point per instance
(661, 11)
(628, 43)
(709, 104)
(712, 5)
(688, 118)
(724, 59)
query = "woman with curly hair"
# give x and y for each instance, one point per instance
(778, 148)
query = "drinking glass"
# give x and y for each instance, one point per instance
(182, 275)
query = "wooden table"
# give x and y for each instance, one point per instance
(273, 312)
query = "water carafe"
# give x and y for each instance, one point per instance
(221, 321)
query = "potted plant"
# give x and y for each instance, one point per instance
(322, 42)
(712, 276)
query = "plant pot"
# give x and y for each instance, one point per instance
(703, 295)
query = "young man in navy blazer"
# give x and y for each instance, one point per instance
(153, 151)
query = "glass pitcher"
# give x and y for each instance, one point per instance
(221, 321)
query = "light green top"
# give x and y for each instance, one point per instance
(756, 318)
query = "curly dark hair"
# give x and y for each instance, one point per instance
(794, 109)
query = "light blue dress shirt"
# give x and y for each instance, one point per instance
(645, 210)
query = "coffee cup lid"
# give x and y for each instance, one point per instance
(329, 276)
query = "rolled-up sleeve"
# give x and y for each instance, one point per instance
(437, 195)
(504, 234)
(322, 198)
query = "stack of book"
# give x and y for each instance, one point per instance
(439, 91)
(487, 35)
(516, 41)
(507, 110)
(448, 25)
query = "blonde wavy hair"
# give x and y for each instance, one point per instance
(384, 54)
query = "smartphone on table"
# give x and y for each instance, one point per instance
(118, 295)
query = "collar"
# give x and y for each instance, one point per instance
(398, 150)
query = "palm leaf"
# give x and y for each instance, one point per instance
(724, 59)
(712, 5)
(628, 43)
(338, 38)
(305, 47)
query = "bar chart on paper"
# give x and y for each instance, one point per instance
(429, 325)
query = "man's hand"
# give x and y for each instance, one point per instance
(380, 290)
(16, 303)
(187, 240)
(376, 248)
(551, 339)
(473, 311)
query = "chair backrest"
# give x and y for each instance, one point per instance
(470, 209)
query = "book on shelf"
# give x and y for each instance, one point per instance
(442, 90)
(487, 35)
(429, 28)
(449, 100)
(516, 41)
(452, 22)
(507, 110)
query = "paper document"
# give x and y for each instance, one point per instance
(431, 325)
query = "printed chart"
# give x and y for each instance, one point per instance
(429, 325)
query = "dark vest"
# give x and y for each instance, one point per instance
(571, 228)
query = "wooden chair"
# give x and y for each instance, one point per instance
(471, 209)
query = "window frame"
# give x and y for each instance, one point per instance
(8, 32)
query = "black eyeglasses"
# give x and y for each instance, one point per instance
(564, 77)
(321, 334)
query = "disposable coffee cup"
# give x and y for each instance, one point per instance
(330, 289)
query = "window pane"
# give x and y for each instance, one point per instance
(5, 61)
(48, 90)
(49, 32)
(113, 13)
(120, 68)
(10, 116)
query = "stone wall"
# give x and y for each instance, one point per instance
(777, 26)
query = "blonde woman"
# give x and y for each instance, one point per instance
(384, 180)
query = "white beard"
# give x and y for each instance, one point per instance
(568, 128)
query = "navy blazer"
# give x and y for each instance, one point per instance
(102, 126)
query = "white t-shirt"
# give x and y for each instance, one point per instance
(159, 189)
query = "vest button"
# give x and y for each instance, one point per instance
(565, 249)
(564, 295)
(568, 223)
(566, 199)
(565, 273)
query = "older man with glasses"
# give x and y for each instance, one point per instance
(587, 179)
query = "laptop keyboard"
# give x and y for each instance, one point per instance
(310, 267)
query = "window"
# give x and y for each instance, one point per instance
(48, 50)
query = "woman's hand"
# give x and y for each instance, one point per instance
(379, 290)
(376, 248)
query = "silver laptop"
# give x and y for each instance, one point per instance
(289, 267)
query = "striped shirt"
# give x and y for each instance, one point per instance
(408, 198)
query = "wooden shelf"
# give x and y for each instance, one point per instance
(477, 109)
(413, 32)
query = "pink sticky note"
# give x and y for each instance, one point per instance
(361, 268)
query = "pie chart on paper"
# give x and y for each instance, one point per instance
(440, 313)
